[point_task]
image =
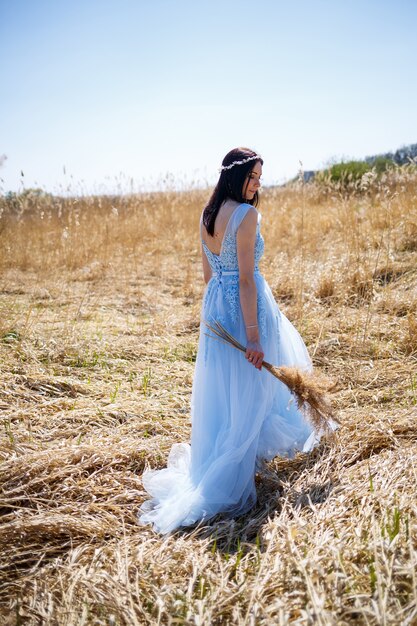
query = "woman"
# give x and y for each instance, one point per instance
(240, 413)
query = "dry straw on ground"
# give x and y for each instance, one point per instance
(100, 301)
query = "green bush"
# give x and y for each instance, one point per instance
(380, 164)
(344, 172)
(352, 171)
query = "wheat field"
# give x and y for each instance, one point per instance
(100, 307)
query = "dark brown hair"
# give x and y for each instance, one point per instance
(230, 185)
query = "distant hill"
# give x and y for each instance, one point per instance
(400, 156)
(357, 168)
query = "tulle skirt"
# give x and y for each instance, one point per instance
(240, 415)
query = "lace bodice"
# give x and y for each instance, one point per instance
(225, 267)
(227, 259)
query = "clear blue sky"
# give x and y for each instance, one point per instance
(132, 89)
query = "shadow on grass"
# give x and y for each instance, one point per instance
(274, 488)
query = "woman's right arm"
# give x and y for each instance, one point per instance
(246, 236)
(207, 273)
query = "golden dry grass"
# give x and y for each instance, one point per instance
(100, 301)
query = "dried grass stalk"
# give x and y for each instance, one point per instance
(309, 390)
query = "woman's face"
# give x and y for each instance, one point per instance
(252, 181)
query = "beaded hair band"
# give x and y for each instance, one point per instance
(228, 167)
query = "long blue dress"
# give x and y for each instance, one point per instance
(240, 415)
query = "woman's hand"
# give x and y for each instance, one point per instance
(254, 354)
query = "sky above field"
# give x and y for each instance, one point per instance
(100, 96)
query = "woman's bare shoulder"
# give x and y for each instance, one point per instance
(250, 218)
